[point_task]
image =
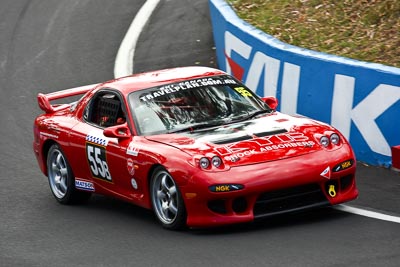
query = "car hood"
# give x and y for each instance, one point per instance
(272, 137)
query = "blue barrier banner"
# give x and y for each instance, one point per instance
(360, 99)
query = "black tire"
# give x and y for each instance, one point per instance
(61, 178)
(167, 200)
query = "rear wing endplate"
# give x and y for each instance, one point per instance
(45, 99)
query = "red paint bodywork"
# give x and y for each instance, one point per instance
(260, 164)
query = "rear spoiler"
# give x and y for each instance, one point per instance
(44, 99)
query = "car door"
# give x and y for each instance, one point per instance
(102, 159)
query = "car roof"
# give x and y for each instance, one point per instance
(150, 79)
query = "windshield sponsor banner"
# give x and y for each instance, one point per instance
(176, 87)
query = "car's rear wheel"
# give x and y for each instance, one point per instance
(61, 178)
(167, 200)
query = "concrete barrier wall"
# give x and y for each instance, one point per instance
(360, 99)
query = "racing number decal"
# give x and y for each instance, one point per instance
(243, 91)
(96, 156)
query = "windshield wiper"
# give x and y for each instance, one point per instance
(258, 112)
(251, 115)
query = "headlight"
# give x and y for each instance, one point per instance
(216, 161)
(335, 139)
(324, 141)
(204, 163)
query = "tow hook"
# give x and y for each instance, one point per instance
(332, 190)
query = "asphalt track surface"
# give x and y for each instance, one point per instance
(52, 45)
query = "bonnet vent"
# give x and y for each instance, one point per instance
(232, 140)
(268, 133)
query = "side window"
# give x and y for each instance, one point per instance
(105, 110)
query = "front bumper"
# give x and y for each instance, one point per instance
(270, 188)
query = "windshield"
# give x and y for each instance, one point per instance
(193, 104)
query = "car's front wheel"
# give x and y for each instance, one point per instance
(61, 178)
(167, 200)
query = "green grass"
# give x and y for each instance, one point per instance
(367, 30)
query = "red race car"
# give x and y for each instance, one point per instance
(193, 144)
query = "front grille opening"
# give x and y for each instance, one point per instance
(346, 182)
(217, 206)
(289, 200)
(239, 205)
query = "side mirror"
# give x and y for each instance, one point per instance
(271, 101)
(117, 131)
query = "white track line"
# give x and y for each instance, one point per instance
(367, 213)
(123, 65)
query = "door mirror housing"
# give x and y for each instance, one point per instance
(118, 131)
(271, 101)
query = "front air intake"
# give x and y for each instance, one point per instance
(289, 200)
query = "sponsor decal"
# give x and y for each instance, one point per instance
(134, 183)
(132, 150)
(344, 165)
(130, 166)
(232, 152)
(326, 173)
(243, 91)
(225, 187)
(84, 185)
